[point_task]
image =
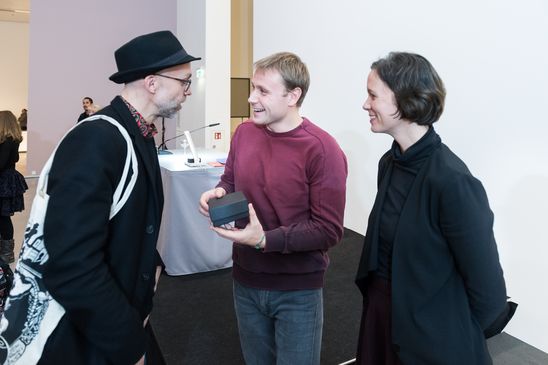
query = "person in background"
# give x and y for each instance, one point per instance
(87, 104)
(432, 285)
(23, 119)
(294, 175)
(103, 272)
(94, 108)
(12, 183)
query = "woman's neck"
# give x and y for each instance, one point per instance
(410, 135)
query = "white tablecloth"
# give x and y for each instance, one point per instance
(185, 242)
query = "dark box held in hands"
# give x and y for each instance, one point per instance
(229, 208)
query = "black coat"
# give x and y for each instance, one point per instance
(102, 272)
(447, 282)
(9, 154)
(82, 116)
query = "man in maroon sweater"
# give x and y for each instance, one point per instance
(294, 175)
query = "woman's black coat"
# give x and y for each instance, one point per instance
(447, 282)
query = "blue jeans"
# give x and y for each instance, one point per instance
(279, 327)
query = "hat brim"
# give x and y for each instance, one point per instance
(126, 76)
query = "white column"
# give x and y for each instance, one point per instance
(203, 27)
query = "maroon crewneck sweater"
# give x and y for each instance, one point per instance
(296, 182)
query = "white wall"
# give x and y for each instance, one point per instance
(493, 58)
(206, 26)
(73, 57)
(14, 66)
(191, 15)
(217, 73)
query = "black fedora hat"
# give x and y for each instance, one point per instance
(148, 54)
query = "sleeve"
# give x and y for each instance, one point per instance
(325, 227)
(85, 172)
(467, 224)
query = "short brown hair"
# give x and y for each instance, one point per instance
(9, 128)
(293, 71)
(417, 87)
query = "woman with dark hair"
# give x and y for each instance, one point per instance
(12, 183)
(429, 274)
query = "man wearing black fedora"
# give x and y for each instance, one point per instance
(102, 270)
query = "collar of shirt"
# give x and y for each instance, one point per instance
(147, 130)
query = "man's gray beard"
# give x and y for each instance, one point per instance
(168, 110)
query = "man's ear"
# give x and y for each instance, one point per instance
(294, 96)
(151, 83)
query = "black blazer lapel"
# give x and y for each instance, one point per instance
(144, 149)
(369, 259)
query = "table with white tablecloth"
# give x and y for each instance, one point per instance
(185, 242)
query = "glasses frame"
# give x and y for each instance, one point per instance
(186, 82)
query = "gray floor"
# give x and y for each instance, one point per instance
(20, 219)
(505, 349)
(508, 350)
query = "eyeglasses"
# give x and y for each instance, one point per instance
(186, 82)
